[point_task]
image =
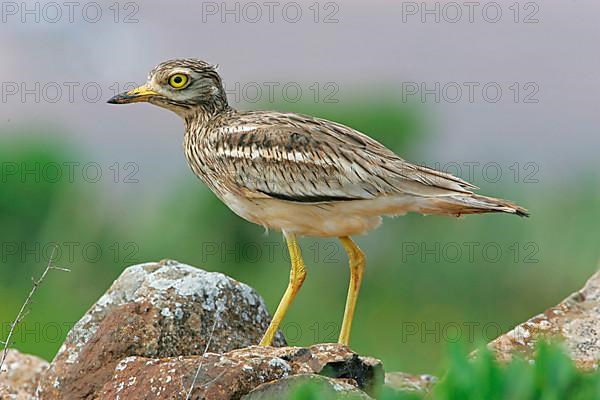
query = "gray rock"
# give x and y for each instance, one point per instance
(155, 310)
(20, 375)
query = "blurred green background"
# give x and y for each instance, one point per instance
(429, 280)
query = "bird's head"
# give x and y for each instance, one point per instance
(182, 86)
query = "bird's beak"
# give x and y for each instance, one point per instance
(142, 93)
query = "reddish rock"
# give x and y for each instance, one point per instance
(236, 373)
(20, 375)
(154, 310)
(575, 322)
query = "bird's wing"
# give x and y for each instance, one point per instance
(306, 159)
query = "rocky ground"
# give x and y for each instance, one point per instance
(171, 331)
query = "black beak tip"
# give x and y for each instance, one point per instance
(114, 100)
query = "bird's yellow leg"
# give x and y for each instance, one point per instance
(297, 275)
(357, 267)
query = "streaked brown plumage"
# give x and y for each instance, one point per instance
(300, 174)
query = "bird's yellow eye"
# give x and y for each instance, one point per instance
(178, 81)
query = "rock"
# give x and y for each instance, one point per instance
(403, 382)
(575, 322)
(325, 388)
(20, 375)
(155, 310)
(236, 373)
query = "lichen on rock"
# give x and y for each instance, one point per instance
(237, 373)
(155, 310)
(574, 322)
(20, 375)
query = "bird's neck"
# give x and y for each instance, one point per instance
(202, 114)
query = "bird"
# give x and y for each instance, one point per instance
(299, 174)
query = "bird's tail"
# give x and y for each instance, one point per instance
(476, 204)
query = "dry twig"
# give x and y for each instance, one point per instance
(212, 331)
(24, 308)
